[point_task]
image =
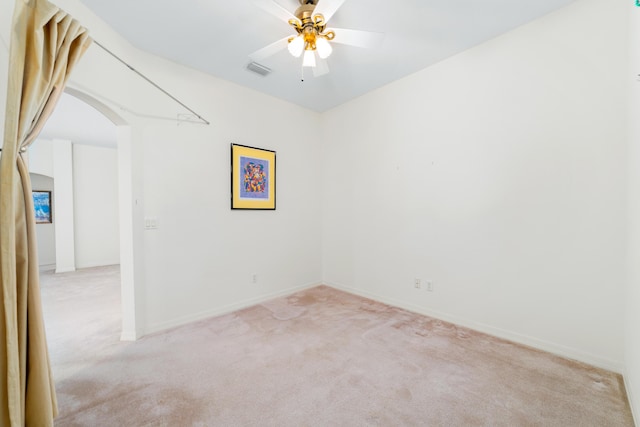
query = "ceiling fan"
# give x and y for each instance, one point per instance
(313, 38)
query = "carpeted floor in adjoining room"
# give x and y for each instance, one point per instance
(320, 357)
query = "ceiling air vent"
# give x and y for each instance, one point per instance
(258, 69)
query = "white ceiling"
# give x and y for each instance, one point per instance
(217, 36)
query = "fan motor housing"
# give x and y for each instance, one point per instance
(306, 9)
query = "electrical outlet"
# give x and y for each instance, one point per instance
(254, 278)
(430, 286)
(417, 284)
(150, 223)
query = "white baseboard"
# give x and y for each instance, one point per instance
(98, 263)
(158, 327)
(47, 267)
(128, 336)
(550, 347)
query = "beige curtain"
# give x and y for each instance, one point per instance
(46, 43)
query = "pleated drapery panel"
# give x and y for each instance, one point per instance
(46, 43)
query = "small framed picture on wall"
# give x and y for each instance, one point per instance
(42, 206)
(253, 178)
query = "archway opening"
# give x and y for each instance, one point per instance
(83, 137)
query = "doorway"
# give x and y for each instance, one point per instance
(88, 192)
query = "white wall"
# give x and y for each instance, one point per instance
(41, 157)
(46, 238)
(632, 340)
(63, 222)
(499, 175)
(92, 187)
(201, 258)
(40, 162)
(197, 263)
(95, 194)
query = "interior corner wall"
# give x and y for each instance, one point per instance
(95, 195)
(496, 174)
(202, 257)
(499, 175)
(632, 340)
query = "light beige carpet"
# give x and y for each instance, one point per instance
(317, 358)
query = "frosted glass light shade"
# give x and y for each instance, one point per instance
(296, 46)
(309, 59)
(323, 47)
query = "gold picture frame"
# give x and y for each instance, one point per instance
(253, 178)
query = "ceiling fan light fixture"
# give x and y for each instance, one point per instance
(296, 46)
(309, 59)
(323, 47)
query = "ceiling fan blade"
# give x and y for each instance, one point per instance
(269, 50)
(327, 8)
(321, 68)
(366, 39)
(275, 9)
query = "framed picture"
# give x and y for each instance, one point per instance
(253, 178)
(42, 206)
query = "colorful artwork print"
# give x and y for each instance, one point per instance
(254, 175)
(42, 206)
(253, 178)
